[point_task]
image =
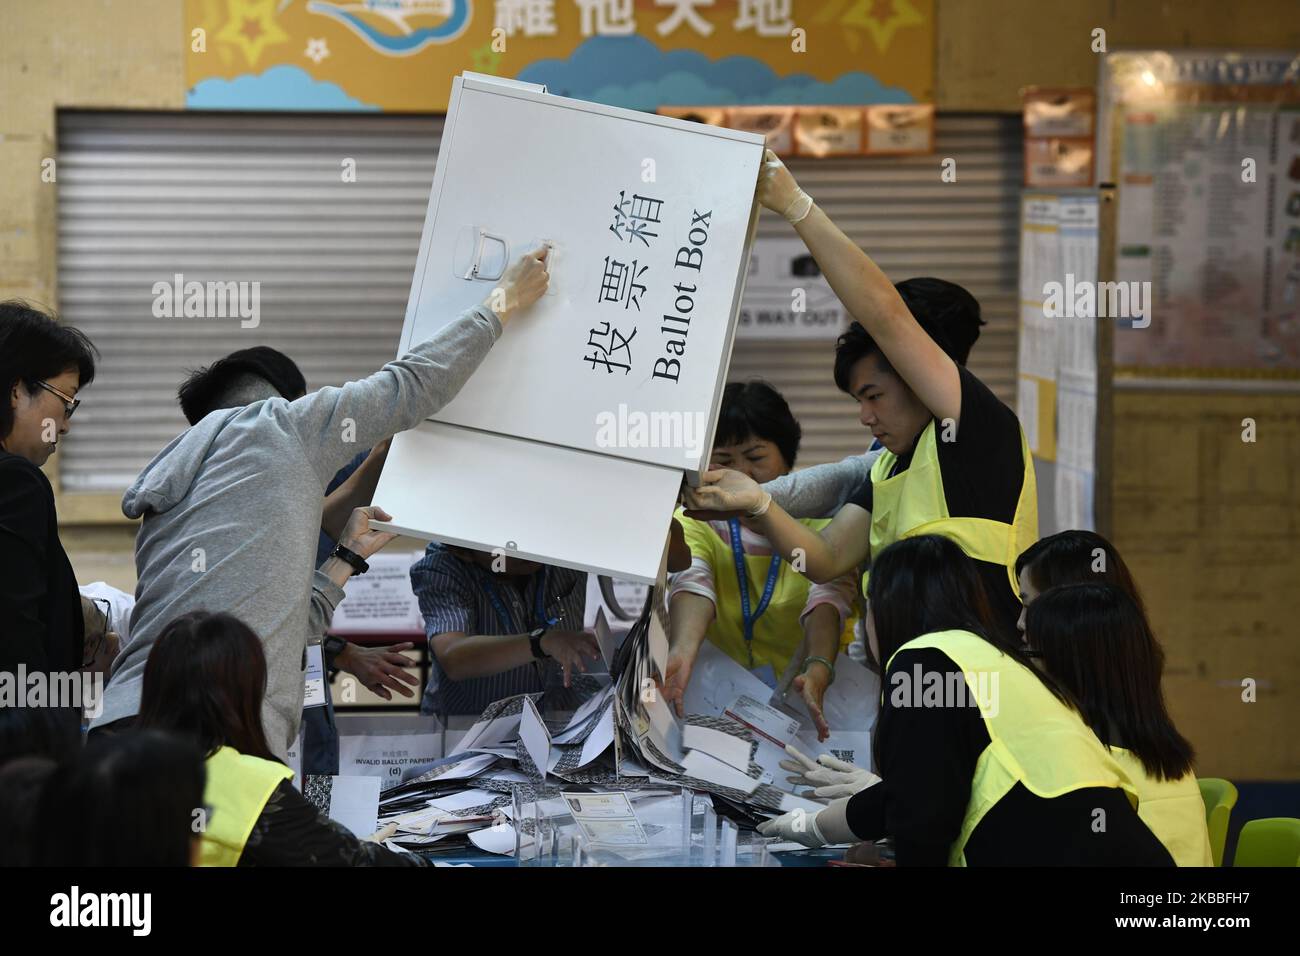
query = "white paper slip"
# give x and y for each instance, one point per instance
(314, 694)
(717, 680)
(699, 764)
(767, 722)
(730, 749)
(606, 818)
(354, 802)
(535, 737)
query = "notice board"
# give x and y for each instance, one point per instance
(569, 443)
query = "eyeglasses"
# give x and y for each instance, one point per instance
(69, 403)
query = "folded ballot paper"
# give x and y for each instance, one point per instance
(624, 739)
(569, 443)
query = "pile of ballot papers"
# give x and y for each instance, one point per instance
(626, 738)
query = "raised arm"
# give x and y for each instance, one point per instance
(866, 292)
(820, 491)
(334, 423)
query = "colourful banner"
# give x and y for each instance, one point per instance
(400, 55)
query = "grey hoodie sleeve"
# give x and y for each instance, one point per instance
(399, 396)
(820, 491)
(325, 597)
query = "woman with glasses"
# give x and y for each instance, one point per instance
(43, 365)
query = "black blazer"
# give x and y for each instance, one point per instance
(40, 607)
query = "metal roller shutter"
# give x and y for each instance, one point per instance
(230, 196)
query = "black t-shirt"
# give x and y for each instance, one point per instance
(927, 756)
(983, 469)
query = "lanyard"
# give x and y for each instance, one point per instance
(773, 569)
(503, 615)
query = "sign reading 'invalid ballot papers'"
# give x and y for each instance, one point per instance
(568, 444)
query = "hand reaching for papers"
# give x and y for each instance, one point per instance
(812, 685)
(831, 777)
(733, 493)
(677, 674)
(379, 668)
(523, 284)
(569, 648)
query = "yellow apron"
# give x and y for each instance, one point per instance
(1034, 739)
(1173, 810)
(912, 503)
(237, 789)
(777, 634)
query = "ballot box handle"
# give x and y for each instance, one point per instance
(475, 270)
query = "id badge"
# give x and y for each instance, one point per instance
(314, 695)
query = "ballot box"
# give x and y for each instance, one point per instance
(570, 442)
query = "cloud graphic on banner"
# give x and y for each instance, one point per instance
(387, 26)
(279, 88)
(651, 77)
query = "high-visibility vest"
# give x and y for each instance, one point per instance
(237, 789)
(1173, 810)
(777, 633)
(912, 503)
(1034, 739)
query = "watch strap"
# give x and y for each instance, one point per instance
(359, 565)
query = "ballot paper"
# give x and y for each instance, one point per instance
(535, 740)
(350, 801)
(606, 818)
(717, 680)
(497, 724)
(767, 722)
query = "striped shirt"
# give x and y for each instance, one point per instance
(455, 595)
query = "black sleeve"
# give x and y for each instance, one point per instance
(862, 497)
(25, 509)
(292, 832)
(926, 756)
(982, 460)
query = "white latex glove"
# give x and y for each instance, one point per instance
(823, 828)
(778, 191)
(830, 776)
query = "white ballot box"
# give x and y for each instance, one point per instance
(569, 443)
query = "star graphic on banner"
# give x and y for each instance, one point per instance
(882, 19)
(485, 59)
(316, 50)
(251, 27)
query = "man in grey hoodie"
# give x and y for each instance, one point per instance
(231, 508)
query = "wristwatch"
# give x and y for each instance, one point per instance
(535, 642)
(331, 647)
(358, 563)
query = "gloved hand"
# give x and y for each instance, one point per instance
(823, 828)
(829, 776)
(778, 191)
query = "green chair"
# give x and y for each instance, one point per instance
(1220, 796)
(1273, 841)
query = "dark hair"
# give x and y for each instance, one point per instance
(34, 346)
(205, 678)
(926, 584)
(204, 391)
(21, 782)
(127, 800)
(1095, 640)
(754, 409)
(1071, 557)
(38, 732)
(947, 306)
(949, 314)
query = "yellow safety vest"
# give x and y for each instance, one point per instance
(912, 503)
(237, 789)
(1034, 739)
(1173, 810)
(777, 633)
